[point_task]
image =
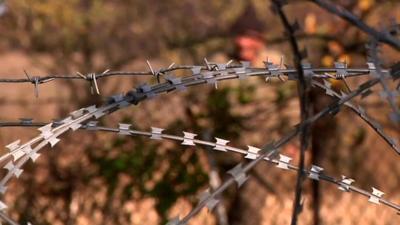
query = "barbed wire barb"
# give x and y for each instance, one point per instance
(50, 133)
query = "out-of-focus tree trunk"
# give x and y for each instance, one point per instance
(322, 131)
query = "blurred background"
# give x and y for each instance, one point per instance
(100, 178)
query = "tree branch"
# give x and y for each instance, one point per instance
(304, 91)
(351, 18)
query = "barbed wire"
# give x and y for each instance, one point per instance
(270, 70)
(326, 86)
(20, 154)
(211, 73)
(239, 172)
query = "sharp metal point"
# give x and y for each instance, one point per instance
(207, 64)
(281, 62)
(13, 169)
(315, 172)
(81, 75)
(13, 145)
(345, 183)
(283, 162)
(252, 152)
(172, 65)
(280, 77)
(375, 196)
(211, 201)
(220, 144)
(150, 67)
(188, 138)
(105, 71)
(27, 75)
(36, 84)
(156, 133)
(124, 129)
(3, 206)
(94, 87)
(238, 174)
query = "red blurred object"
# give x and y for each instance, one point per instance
(248, 46)
(247, 30)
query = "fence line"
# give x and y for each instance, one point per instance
(270, 70)
(211, 73)
(20, 154)
(360, 111)
(49, 135)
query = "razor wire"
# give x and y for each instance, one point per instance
(326, 86)
(19, 154)
(269, 150)
(303, 83)
(22, 153)
(221, 145)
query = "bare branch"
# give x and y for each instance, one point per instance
(384, 37)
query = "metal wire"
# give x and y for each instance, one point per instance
(212, 73)
(21, 153)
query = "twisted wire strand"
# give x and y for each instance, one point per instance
(319, 72)
(357, 109)
(69, 124)
(49, 135)
(135, 97)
